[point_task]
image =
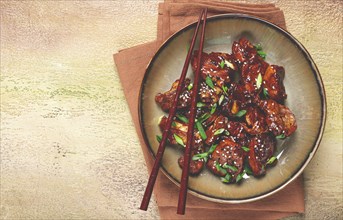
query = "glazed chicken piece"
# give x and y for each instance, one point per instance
(210, 66)
(208, 95)
(273, 83)
(165, 100)
(245, 52)
(250, 73)
(279, 118)
(180, 129)
(195, 166)
(237, 133)
(261, 149)
(255, 121)
(226, 153)
(212, 131)
(237, 100)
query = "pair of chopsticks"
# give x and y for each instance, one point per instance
(190, 133)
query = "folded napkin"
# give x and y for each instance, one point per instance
(172, 16)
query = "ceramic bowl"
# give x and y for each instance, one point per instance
(306, 99)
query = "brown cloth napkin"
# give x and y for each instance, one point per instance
(172, 16)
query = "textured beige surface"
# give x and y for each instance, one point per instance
(68, 146)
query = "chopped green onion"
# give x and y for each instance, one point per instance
(200, 156)
(226, 133)
(222, 63)
(219, 131)
(259, 81)
(190, 86)
(212, 148)
(258, 47)
(224, 87)
(241, 113)
(246, 149)
(265, 93)
(182, 118)
(281, 136)
(271, 160)
(213, 108)
(221, 99)
(200, 104)
(239, 177)
(209, 82)
(204, 117)
(159, 138)
(205, 159)
(201, 130)
(220, 169)
(226, 179)
(226, 166)
(179, 140)
(173, 124)
(262, 54)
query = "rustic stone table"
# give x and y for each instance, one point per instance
(68, 145)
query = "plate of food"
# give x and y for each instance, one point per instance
(260, 111)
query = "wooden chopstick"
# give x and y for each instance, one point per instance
(190, 133)
(172, 112)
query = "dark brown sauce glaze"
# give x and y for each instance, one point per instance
(240, 113)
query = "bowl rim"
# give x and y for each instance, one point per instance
(319, 82)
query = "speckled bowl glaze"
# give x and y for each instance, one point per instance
(306, 98)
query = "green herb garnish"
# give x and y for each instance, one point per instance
(190, 86)
(213, 108)
(159, 138)
(241, 113)
(182, 118)
(212, 148)
(262, 54)
(226, 133)
(258, 47)
(200, 156)
(201, 130)
(246, 149)
(173, 124)
(226, 166)
(209, 82)
(179, 140)
(200, 104)
(265, 93)
(226, 179)
(271, 160)
(281, 136)
(220, 169)
(239, 177)
(204, 117)
(222, 63)
(219, 131)
(205, 154)
(221, 99)
(224, 87)
(259, 81)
